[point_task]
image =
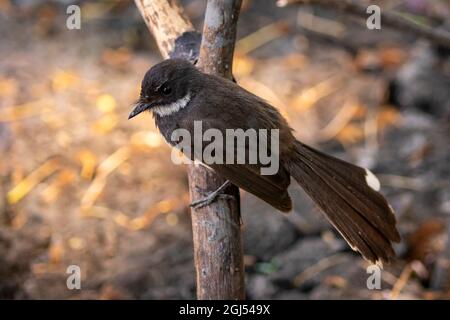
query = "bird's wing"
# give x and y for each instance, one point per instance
(270, 188)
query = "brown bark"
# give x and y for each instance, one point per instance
(216, 228)
(165, 21)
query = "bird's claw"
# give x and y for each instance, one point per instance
(211, 197)
(197, 204)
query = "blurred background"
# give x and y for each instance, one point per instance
(81, 185)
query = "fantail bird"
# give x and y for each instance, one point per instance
(178, 94)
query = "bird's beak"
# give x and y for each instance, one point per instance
(139, 107)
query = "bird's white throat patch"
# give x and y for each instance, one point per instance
(171, 108)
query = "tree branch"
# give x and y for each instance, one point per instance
(216, 228)
(390, 19)
(166, 22)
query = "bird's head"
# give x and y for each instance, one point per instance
(165, 88)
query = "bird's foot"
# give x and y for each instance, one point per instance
(213, 196)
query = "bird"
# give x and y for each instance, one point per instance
(178, 94)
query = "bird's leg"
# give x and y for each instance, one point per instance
(210, 198)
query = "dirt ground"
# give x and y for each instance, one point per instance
(81, 185)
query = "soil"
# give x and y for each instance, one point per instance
(81, 185)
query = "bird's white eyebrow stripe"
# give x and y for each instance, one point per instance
(171, 108)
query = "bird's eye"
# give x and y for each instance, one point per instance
(166, 90)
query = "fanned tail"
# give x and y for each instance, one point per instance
(349, 197)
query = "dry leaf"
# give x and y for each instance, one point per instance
(368, 60)
(108, 292)
(388, 116)
(427, 241)
(32, 180)
(56, 252)
(308, 97)
(51, 193)
(106, 123)
(116, 58)
(172, 219)
(261, 37)
(26, 110)
(242, 65)
(350, 134)
(336, 282)
(5, 6)
(162, 207)
(105, 168)
(147, 139)
(8, 87)
(77, 243)
(88, 162)
(346, 114)
(63, 80)
(106, 103)
(294, 61)
(392, 57)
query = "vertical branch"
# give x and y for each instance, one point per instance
(216, 228)
(219, 37)
(166, 22)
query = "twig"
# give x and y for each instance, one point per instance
(391, 19)
(260, 37)
(343, 117)
(401, 282)
(320, 266)
(111, 163)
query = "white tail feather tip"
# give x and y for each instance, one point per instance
(372, 181)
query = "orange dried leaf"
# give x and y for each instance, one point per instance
(39, 268)
(242, 65)
(260, 37)
(121, 219)
(106, 103)
(77, 243)
(51, 193)
(294, 61)
(172, 219)
(146, 139)
(63, 80)
(106, 123)
(387, 117)
(350, 134)
(392, 56)
(308, 97)
(166, 205)
(162, 207)
(104, 169)
(116, 58)
(32, 180)
(88, 162)
(56, 252)
(345, 115)
(26, 110)
(336, 281)
(8, 87)
(19, 221)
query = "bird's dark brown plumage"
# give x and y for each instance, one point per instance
(340, 189)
